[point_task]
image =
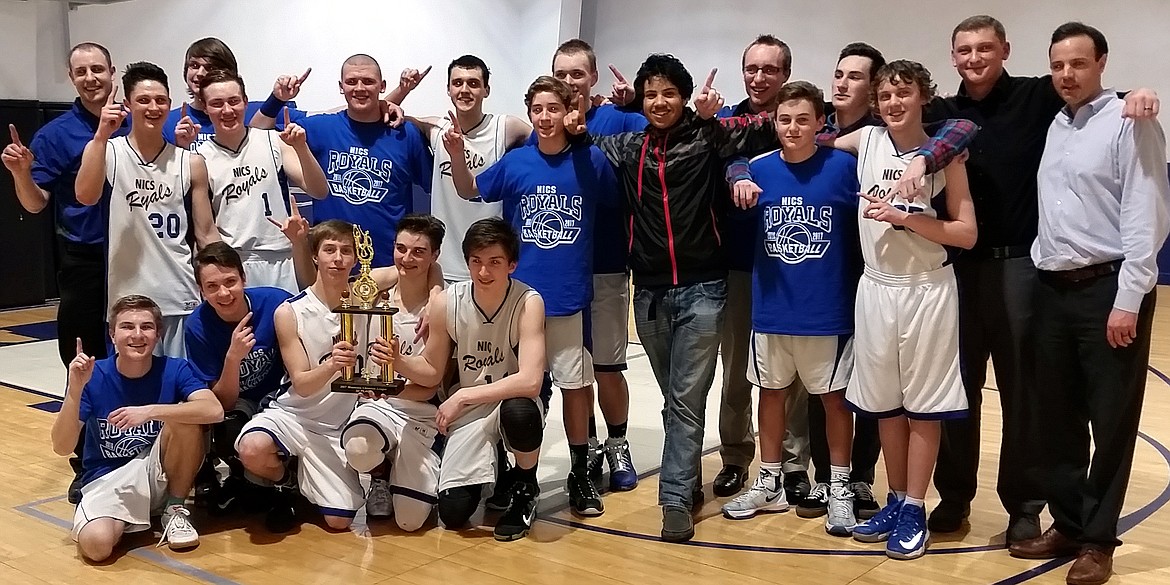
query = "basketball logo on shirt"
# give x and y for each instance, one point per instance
(115, 442)
(255, 367)
(358, 177)
(549, 219)
(794, 232)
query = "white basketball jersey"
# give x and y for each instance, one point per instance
(317, 326)
(248, 187)
(486, 345)
(404, 330)
(484, 145)
(885, 247)
(148, 251)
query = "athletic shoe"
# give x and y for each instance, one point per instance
(863, 501)
(796, 486)
(677, 524)
(517, 520)
(378, 502)
(596, 457)
(206, 483)
(765, 495)
(622, 476)
(879, 527)
(583, 496)
(815, 504)
(501, 496)
(74, 493)
(839, 520)
(910, 536)
(177, 531)
(282, 516)
(230, 495)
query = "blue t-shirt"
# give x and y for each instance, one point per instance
(371, 168)
(169, 381)
(611, 244)
(207, 130)
(57, 149)
(808, 252)
(553, 201)
(208, 338)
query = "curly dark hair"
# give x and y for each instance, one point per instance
(904, 72)
(668, 67)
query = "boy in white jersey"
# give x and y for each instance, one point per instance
(486, 137)
(394, 439)
(494, 326)
(151, 185)
(248, 171)
(906, 346)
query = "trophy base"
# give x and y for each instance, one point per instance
(373, 387)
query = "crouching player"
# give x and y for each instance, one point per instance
(145, 416)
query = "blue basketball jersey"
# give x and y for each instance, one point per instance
(552, 201)
(371, 170)
(208, 338)
(807, 251)
(169, 381)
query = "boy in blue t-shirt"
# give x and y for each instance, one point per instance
(806, 266)
(144, 417)
(231, 343)
(552, 193)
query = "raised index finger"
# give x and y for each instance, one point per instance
(424, 72)
(617, 74)
(80, 350)
(113, 96)
(183, 111)
(454, 122)
(305, 76)
(710, 79)
(286, 120)
(15, 135)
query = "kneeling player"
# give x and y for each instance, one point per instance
(144, 415)
(306, 418)
(494, 326)
(907, 344)
(802, 297)
(231, 342)
(394, 439)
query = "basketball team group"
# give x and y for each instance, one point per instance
(857, 251)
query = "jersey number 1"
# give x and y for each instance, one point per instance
(268, 208)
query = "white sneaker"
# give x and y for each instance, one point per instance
(378, 502)
(178, 532)
(765, 495)
(840, 520)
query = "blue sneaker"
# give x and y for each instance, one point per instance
(622, 476)
(910, 537)
(879, 527)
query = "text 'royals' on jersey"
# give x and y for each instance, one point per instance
(888, 248)
(371, 168)
(149, 249)
(553, 201)
(486, 346)
(807, 257)
(248, 187)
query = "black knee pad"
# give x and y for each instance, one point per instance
(522, 424)
(223, 434)
(457, 504)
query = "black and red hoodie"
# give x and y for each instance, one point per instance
(672, 179)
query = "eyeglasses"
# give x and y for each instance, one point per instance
(769, 70)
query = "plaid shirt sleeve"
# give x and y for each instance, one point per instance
(948, 142)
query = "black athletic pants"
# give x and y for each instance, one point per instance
(866, 444)
(81, 283)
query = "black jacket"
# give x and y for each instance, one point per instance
(672, 179)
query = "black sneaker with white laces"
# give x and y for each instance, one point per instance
(864, 503)
(583, 496)
(282, 516)
(517, 520)
(501, 496)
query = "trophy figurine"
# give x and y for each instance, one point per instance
(367, 301)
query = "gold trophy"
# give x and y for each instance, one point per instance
(373, 306)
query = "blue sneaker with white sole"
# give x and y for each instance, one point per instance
(910, 537)
(879, 527)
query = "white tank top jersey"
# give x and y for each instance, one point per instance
(249, 187)
(317, 326)
(486, 345)
(484, 145)
(887, 248)
(404, 330)
(148, 251)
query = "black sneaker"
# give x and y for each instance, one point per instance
(583, 496)
(596, 458)
(797, 487)
(282, 517)
(230, 496)
(517, 520)
(501, 496)
(864, 504)
(206, 484)
(74, 493)
(815, 504)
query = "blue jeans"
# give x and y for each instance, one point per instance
(679, 329)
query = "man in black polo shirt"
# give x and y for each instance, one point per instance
(997, 277)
